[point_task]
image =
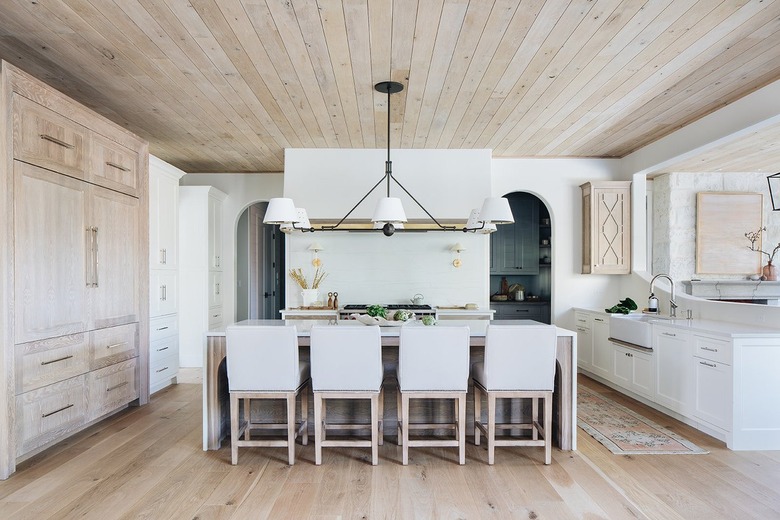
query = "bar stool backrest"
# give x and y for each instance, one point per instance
(433, 358)
(262, 358)
(520, 357)
(346, 358)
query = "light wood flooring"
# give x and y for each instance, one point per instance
(147, 463)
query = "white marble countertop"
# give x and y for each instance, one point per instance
(722, 328)
(477, 327)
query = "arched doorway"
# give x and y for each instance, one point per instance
(259, 261)
(521, 261)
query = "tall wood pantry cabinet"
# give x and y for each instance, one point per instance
(606, 227)
(163, 273)
(200, 255)
(73, 265)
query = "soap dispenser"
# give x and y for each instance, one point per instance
(652, 303)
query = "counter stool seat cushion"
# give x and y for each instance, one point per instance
(262, 364)
(519, 363)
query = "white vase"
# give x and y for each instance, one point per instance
(309, 296)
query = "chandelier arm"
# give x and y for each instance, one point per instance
(444, 228)
(333, 227)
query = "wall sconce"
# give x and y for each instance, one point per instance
(457, 248)
(774, 190)
(316, 248)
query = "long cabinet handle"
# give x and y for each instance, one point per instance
(56, 141)
(44, 363)
(163, 328)
(115, 345)
(711, 365)
(669, 334)
(44, 415)
(709, 349)
(163, 348)
(117, 166)
(120, 385)
(163, 369)
(97, 258)
(90, 245)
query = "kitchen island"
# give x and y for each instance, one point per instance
(216, 419)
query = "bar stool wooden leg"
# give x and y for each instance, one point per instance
(234, 406)
(405, 429)
(290, 398)
(382, 416)
(491, 433)
(477, 413)
(305, 415)
(535, 418)
(398, 410)
(461, 422)
(374, 429)
(318, 429)
(548, 428)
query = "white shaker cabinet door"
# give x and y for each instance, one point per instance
(163, 222)
(674, 378)
(114, 220)
(50, 254)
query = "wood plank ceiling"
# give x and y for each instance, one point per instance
(226, 85)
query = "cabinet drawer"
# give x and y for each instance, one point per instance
(113, 165)
(582, 320)
(520, 312)
(47, 139)
(45, 414)
(215, 318)
(163, 327)
(112, 387)
(163, 370)
(162, 348)
(716, 349)
(113, 344)
(41, 363)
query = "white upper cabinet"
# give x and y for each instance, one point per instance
(215, 232)
(163, 214)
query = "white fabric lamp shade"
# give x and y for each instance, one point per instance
(301, 221)
(280, 211)
(389, 209)
(475, 223)
(496, 210)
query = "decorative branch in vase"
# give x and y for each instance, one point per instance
(309, 293)
(769, 270)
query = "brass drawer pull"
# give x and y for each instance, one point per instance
(117, 166)
(115, 345)
(57, 141)
(56, 411)
(120, 385)
(163, 369)
(44, 363)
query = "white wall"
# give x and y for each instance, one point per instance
(242, 191)
(557, 183)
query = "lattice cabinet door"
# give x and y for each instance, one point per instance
(606, 227)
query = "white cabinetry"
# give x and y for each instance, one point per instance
(584, 323)
(200, 260)
(673, 354)
(603, 360)
(712, 380)
(73, 264)
(163, 273)
(633, 370)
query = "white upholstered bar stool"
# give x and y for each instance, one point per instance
(519, 363)
(262, 363)
(433, 363)
(346, 363)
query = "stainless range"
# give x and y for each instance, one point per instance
(360, 308)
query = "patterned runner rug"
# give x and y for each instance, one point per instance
(625, 432)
